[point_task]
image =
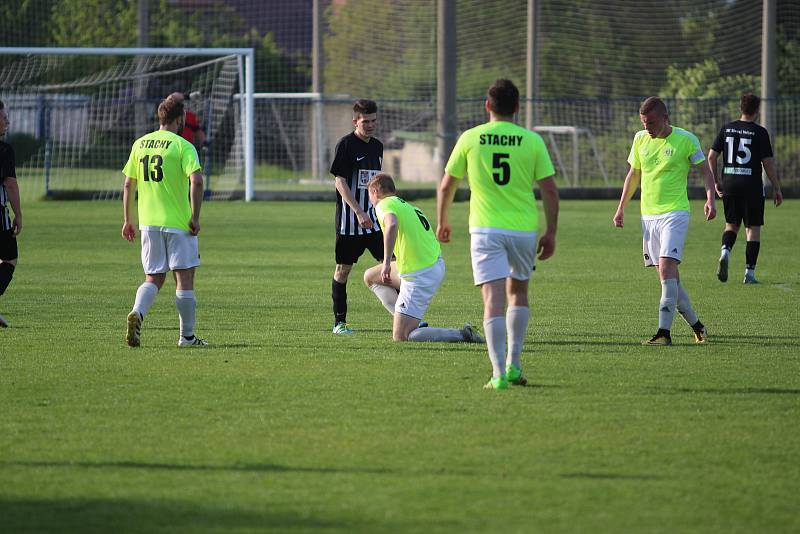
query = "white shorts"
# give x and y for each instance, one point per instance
(418, 288)
(498, 256)
(664, 237)
(164, 251)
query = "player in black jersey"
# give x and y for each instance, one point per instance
(9, 197)
(745, 147)
(358, 157)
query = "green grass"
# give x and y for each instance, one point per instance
(280, 425)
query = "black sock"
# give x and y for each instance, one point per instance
(6, 274)
(698, 325)
(339, 294)
(751, 254)
(728, 239)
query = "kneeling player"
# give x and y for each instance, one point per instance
(418, 271)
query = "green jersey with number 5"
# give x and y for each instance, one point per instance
(503, 161)
(416, 247)
(161, 163)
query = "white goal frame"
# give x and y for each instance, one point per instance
(247, 76)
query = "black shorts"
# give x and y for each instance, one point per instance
(747, 208)
(8, 245)
(350, 247)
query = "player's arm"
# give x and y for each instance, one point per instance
(547, 243)
(632, 180)
(196, 200)
(444, 198)
(772, 175)
(128, 195)
(389, 224)
(710, 207)
(347, 195)
(712, 164)
(12, 192)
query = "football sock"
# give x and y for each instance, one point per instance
(516, 324)
(339, 294)
(447, 335)
(751, 254)
(666, 307)
(386, 294)
(145, 296)
(728, 239)
(495, 330)
(685, 307)
(6, 274)
(186, 304)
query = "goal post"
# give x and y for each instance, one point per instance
(78, 110)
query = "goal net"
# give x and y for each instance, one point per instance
(74, 114)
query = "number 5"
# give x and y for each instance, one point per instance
(498, 163)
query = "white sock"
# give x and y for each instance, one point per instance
(669, 299)
(495, 330)
(516, 325)
(386, 294)
(448, 335)
(186, 304)
(145, 296)
(685, 306)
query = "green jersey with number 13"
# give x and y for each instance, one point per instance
(161, 162)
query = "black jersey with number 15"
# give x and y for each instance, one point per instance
(743, 146)
(357, 162)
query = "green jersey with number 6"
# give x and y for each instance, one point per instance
(502, 160)
(161, 162)
(416, 247)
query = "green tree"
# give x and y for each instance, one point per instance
(25, 22)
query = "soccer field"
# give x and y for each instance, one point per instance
(280, 425)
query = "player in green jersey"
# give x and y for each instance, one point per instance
(417, 272)
(503, 162)
(660, 159)
(167, 172)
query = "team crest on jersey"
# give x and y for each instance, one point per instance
(668, 152)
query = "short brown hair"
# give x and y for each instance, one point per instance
(749, 103)
(383, 183)
(363, 107)
(653, 103)
(503, 97)
(170, 108)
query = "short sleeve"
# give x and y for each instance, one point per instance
(8, 166)
(382, 209)
(340, 165)
(544, 165)
(190, 162)
(457, 164)
(766, 145)
(633, 157)
(131, 167)
(719, 142)
(696, 155)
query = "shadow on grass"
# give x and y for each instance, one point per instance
(734, 391)
(246, 468)
(610, 476)
(130, 515)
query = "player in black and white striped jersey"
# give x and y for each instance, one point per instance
(358, 157)
(9, 197)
